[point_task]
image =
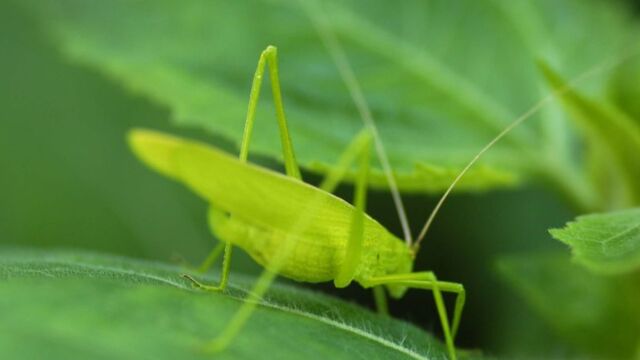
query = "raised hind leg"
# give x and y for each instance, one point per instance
(268, 57)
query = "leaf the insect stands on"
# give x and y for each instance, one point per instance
(62, 305)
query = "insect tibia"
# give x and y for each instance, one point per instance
(271, 49)
(269, 57)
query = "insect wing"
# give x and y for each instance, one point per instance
(255, 194)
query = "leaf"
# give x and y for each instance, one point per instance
(605, 243)
(625, 89)
(613, 138)
(597, 313)
(68, 177)
(83, 305)
(429, 72)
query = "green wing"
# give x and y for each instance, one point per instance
(253, 193)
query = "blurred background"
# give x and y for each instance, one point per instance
(68, 95)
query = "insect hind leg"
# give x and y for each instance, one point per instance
(226, 261)
(224, 278)
(269, 57)
(214, 254)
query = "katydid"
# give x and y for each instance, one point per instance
(297, 230)
(290, 227)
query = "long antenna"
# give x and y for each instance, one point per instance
(332, 44)
(558, 92)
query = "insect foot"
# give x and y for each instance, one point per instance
(200, 285)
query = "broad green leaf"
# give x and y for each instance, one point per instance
(67, 177)
(82, 305)
(614, 141)
(598, 314)
(607, 242)
(441, 78)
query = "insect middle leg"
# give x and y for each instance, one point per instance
(427, 280)
(346, 273)
(269, 57)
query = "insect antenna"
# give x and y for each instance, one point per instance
(332, 44)
(607, 64)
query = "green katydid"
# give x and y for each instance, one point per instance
(295, 230)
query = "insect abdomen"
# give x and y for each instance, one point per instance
(307, 259)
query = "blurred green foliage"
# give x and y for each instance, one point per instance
(612, 140)
(68, 178)
(442, 78)
(452, 91)
(582, 306)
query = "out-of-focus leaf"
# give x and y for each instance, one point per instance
(441, 78)
(625, 88)
(67, 177)
(614, 141)
(607, 242)
(65, 305)
(598, 314)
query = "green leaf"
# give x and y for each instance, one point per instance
(614, 141)
(625, 88)
(73, 181)
(605, 243)
(429, 71)
(598, 314)
(82, 305)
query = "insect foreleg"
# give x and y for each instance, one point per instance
(428, 281)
